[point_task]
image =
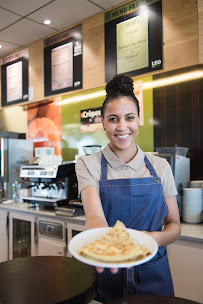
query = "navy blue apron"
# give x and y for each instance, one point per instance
(139, 203)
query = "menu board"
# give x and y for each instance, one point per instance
(63, 62)
(132, 44)
(62, 66)
(14, 81)
(133, 39)
(14, 78)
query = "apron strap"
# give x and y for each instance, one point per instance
(150, 167)
(104, 168)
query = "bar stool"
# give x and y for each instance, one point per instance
(46, 280)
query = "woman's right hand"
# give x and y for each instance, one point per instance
(101, 269)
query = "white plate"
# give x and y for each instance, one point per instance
(86, 237)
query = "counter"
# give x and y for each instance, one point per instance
(185, 254)
(190, 232)
(38, 211)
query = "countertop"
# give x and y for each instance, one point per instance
(190, 232)
(38, 211)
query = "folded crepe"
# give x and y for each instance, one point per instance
(115, 246)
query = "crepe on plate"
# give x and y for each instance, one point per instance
(115, 246)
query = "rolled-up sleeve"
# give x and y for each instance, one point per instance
(84, 175)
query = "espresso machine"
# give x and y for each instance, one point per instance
(52, 187)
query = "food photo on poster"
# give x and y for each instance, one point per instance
(44, 124)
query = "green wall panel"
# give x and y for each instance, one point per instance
(73, 141)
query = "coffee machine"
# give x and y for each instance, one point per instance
(52, 186)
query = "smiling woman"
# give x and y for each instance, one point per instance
(121, 182)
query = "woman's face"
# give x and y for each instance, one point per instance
(121, 123)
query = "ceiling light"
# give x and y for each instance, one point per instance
(1, 46)
(47, 21)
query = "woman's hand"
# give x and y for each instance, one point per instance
(112, 270)
(101, 269)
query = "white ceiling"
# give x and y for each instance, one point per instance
(21, 21)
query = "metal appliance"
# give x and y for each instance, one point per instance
(2, 191)
(16, 151)
(180, 165)
(52, 186)
(51, 238)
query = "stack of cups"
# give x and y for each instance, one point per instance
(192, 205)
(197, 184)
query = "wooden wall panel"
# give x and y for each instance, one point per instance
(181, 45)
(178, 112)
(200, 28)
(36, 69)
(180, 34)
(93, 52)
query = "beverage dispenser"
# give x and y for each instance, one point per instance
(180, 165)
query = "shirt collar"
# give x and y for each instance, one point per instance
(115, 162)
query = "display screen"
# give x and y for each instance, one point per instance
(133, 39)
(63, 62)
(132, 44)
(14, 76)
(14, 82)
(62, 66)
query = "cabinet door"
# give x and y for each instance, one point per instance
(186, 262)
(51, 237)
(22, 235)
(50, 247)
(3, 236)
(72, 230)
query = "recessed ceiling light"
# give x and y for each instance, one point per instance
(1, 46)
(47, 21)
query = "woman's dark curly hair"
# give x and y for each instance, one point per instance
(120, 86)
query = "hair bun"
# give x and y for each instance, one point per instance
(120, 84)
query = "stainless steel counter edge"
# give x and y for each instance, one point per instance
(190, 232)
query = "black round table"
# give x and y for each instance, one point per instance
(150, 299)
(46, 280)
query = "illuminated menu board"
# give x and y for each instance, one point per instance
(63, 62)
(14, 78)
(133, 39)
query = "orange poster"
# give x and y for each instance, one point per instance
(44, 124)
(138, 91)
